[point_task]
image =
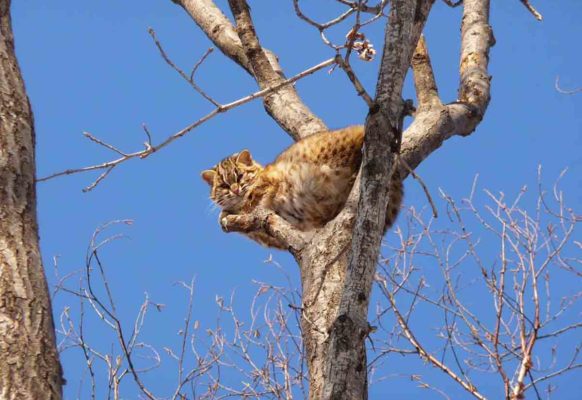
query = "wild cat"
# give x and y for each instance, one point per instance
(307, 184)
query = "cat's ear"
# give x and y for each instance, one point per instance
(208, 176)
(244, 157)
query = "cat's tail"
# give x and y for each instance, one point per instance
(396, 194)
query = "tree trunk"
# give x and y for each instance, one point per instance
(29, 366)
(337, 263)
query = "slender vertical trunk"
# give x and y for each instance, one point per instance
(29, 364)
(335, 320)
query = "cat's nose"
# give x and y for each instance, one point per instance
(235, 189)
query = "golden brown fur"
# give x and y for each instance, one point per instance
(307, 184)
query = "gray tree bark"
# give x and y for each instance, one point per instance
(337, 263)
(345, 351)
(29, 363)
(241, 45)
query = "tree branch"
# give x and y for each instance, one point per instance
(476, 39)
(284, 106)
(189, 79)
(150, 148)
(424, 82)
(559, 89)
(218, 29)
(432, 127)
(378, 8)
(427, 356)
(360, 90)
(346, 372)
(532, 10)
(269, 223)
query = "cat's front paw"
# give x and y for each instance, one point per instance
(223, 220)
(228, 220)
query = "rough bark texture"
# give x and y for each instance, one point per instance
(424, 83)
(434, 122)
(345, 370)
(338, 262)
(29, 366)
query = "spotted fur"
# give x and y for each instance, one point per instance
(307, 184)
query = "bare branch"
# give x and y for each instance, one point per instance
(355, 81)
(432, 127)
(562, 371)
(422, 184)
(99, 179)
(324, 25)
(476, 40)
(261, 220)
(200, 62)
(358, 7)
(106, 145)
(88, 359)
(427, 356)
(528, 240)
(218, 28)
(189, 79)
(531, 9)
(221, 109)
(291, 109)
(559, 89)
(111, 313)
(363, 7)
(285, 106)
(268, 353)
(424, 82)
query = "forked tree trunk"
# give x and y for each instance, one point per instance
(338, 262)
(29, 363)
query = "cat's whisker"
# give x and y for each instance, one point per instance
(212, 207)
(307, 185)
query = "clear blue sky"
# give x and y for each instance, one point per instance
(91, 66)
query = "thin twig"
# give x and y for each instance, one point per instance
(428, 357)
(565, 91)
(554, 374)
(102, 143)
(352, 35)
(83, 346)
(325, 25)
(189, 79)
(184, 333)
(360, 5)
(92, 254)
(199, 62)
(355, 81)
(218, 110)
(422, 184)
(99, 179)
(532, 10)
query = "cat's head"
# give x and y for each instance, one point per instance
(230, 179)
